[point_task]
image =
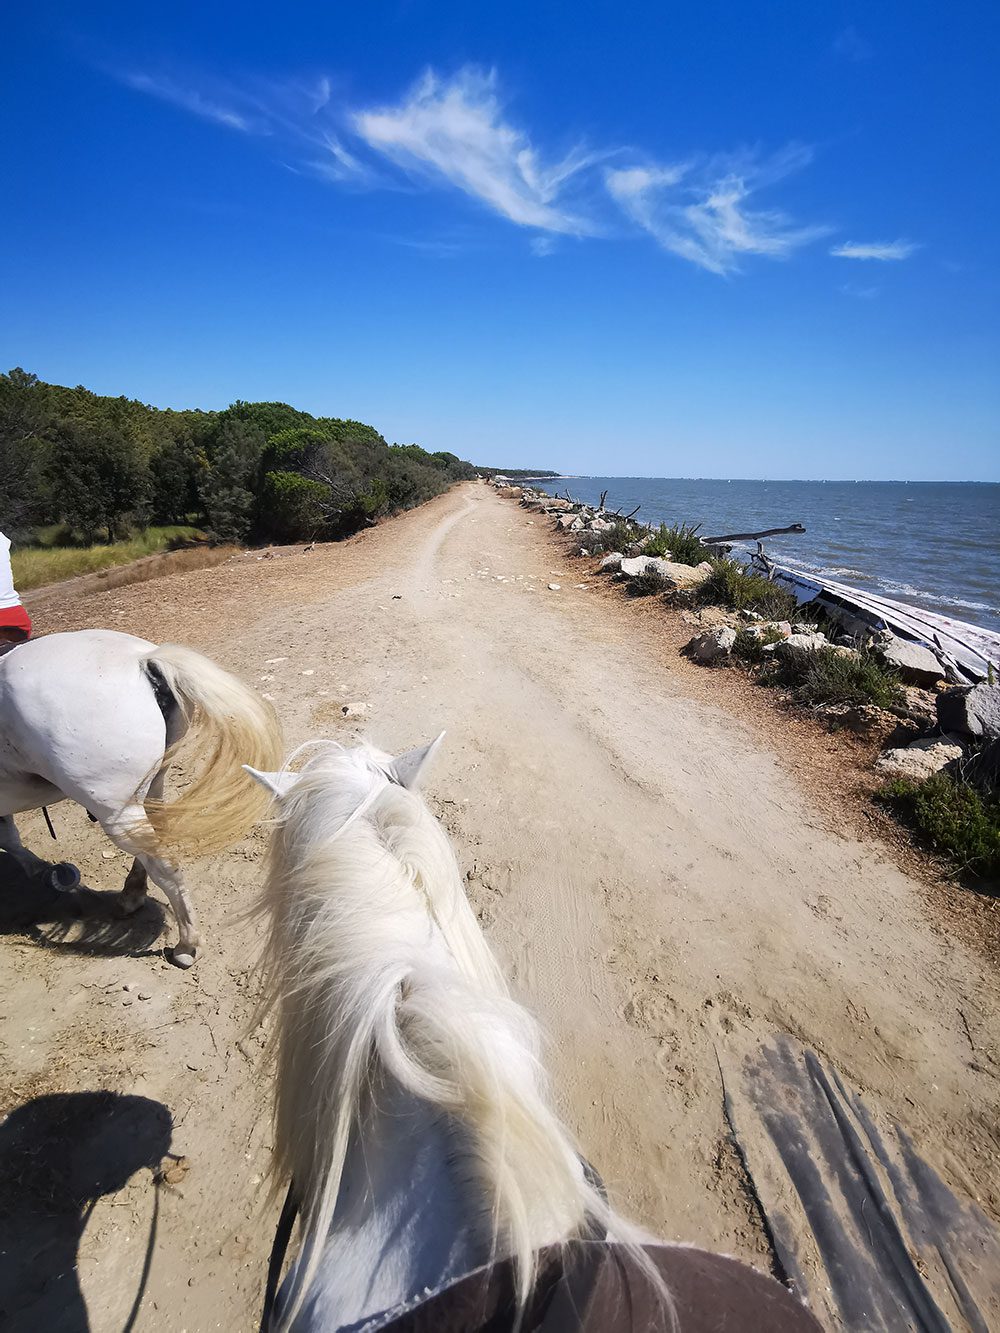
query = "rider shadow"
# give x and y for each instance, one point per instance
(82, 919)
(58, 1155)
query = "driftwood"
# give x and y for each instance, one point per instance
(751, 536)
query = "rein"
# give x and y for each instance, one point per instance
(289, 1212)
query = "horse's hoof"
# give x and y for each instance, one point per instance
(64, 877)
(181, 959)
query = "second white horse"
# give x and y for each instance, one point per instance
(93, 717)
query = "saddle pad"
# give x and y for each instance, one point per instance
(597, 1287)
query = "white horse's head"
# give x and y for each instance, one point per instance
(404, 769)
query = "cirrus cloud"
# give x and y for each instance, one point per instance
(701, 212)
(456, 132)
(884, 250)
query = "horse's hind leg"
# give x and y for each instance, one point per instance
(134, 890)
(130, 830)
(137, 881)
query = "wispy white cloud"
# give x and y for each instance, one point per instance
(701, 213)
(883, 250)
(454, 130)
(189, 99)
(850, 44)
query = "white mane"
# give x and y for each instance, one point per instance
(365, 988)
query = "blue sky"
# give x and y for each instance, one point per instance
(712, 239)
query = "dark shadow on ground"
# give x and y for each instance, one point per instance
(58, 1155)
(84, 920)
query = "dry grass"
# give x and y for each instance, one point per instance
(35, 566)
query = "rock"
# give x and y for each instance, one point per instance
(568, 521)
(808, 642)
(611, 563)
(918, 706)
(713, 646)
(554, 587)
(675, 576)
(913, 661)
(599, 525)
(577, 525)
(514, 492)
(354, 712)
(970, 712)
(782, 627)
(918, 761)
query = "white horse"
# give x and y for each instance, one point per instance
(412, 1116)
(411, 1108)
(94, 716)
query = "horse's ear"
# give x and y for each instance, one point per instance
(407, 768)
(278, 784)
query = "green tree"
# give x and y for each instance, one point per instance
(99, 480)
(22, 449)
(227, 484)
(296, 508)
(173, 472)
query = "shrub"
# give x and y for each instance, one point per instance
(749, 647)
(824, 676)
(954, 817)
(622, 533)
(647, 585)
(729, 584)
(293, 507)
(680, 543)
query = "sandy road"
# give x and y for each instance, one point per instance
(659, 888)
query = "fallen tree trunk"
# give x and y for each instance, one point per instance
(752, 536)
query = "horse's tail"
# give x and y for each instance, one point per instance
(225, 725)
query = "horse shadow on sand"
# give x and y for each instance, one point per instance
(59, 1155)
(84, 920)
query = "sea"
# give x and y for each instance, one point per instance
(935, 545)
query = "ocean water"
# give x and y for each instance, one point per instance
(934, 544)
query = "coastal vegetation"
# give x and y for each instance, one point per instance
(738, 589)
(108, 471)
(519, 473)
(954, 816)
(678, 542)
(832, 676)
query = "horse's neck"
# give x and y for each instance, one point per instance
(403, 1224)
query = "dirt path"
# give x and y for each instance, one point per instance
(656, 884)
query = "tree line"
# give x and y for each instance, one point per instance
(102, 466)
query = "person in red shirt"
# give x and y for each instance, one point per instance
(15, 623)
